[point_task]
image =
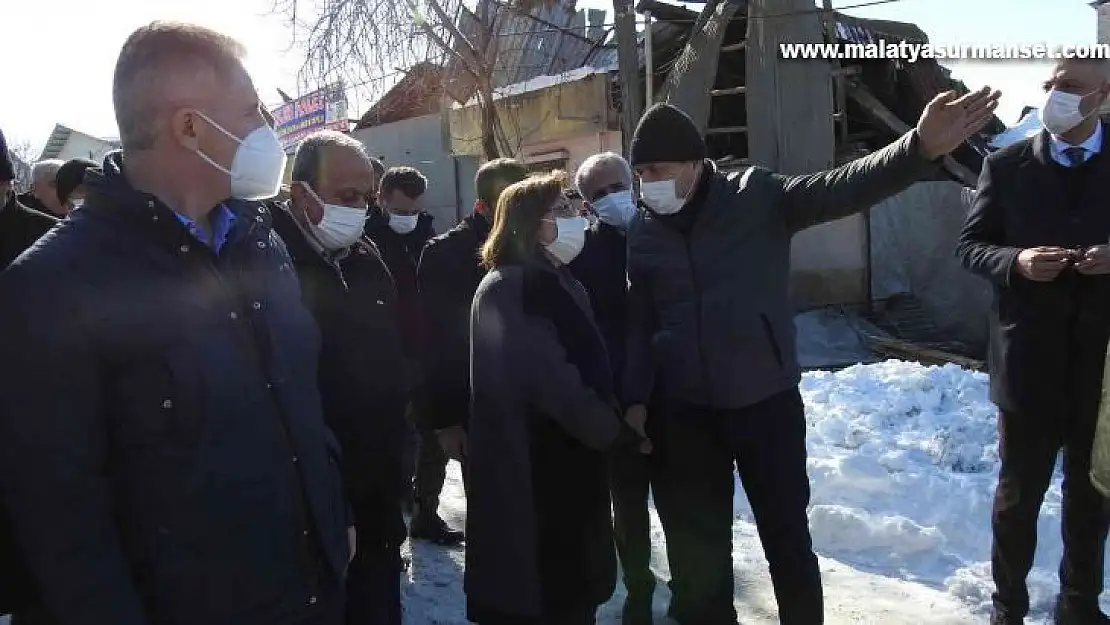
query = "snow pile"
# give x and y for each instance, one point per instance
(903, 462)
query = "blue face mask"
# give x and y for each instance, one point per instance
(616, 209)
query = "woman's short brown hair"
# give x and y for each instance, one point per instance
(520, 209)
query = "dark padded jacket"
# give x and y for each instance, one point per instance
(162, 449)
(710, 318)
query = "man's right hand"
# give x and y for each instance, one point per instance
(636, 418)
(453, 440)
(1043, 264)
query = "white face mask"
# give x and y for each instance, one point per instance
(571, 239)
(403, 224)
(340, 227)
(258, 166)
(1061, 111)
(616, 209)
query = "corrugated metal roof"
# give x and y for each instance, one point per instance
(550, 41)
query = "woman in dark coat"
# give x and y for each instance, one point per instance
(544, 418)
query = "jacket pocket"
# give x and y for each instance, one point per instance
(769, 331)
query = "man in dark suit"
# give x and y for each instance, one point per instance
(1038, 232)
(20, 226)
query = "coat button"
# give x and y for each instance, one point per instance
(261, 245)
(259, 219)
(167, 404)
(150, 203)
(312, 601)
(233, 315)
(295, 459)
(381, 303)
(256, 305)
(184, 249)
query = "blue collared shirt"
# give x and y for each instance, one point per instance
(222, 218)
(1092, 146)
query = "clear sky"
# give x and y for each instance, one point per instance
(60, 53)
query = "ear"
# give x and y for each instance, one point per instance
(480, 208)
(183, 125)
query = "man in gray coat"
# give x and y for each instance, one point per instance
(712, 335)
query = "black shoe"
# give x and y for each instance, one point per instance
(1072, 613)
(435, 530)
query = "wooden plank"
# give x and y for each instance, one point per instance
(730, 91)
(896, 348)
(789, 103)
(886, 117)
(735, 47)
(726, 130)
(846, 71)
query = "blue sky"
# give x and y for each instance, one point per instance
(61, 52)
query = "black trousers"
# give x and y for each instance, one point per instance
(630, 480)
(697, 449)
(374, 576)
(431, 471)
(584, 616)
(1028, 446)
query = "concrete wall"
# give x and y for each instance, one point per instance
(828, 264)
(420, 142)
(556, 113)
(577, 148)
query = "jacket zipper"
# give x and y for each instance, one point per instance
(689, 240)
(251, 342)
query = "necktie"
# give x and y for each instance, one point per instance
(1075, 155)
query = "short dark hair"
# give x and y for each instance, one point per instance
(522, 205)
(405, 179)
(494, 176)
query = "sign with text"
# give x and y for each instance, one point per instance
(323, 109)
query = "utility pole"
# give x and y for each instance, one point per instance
(629, 66)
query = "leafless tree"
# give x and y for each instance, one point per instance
(26, 154)
(363, 41)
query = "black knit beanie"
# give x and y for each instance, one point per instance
(7, 167)
(70, 176)
(666, 134)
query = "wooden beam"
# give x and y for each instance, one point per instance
(730, 91)
(847, 70)
(896, 348)
(726, 130)
(629, 65)
(886, 117)
(735, 47)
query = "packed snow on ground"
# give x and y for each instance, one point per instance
(903, 461)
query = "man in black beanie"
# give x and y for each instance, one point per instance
(711, 342)
(20, 226)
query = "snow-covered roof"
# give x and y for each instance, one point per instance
(541, 82)
(1026, 127)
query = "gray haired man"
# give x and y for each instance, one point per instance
(43, 195)
(605, 184)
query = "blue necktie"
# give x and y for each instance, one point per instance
(1075, 155)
